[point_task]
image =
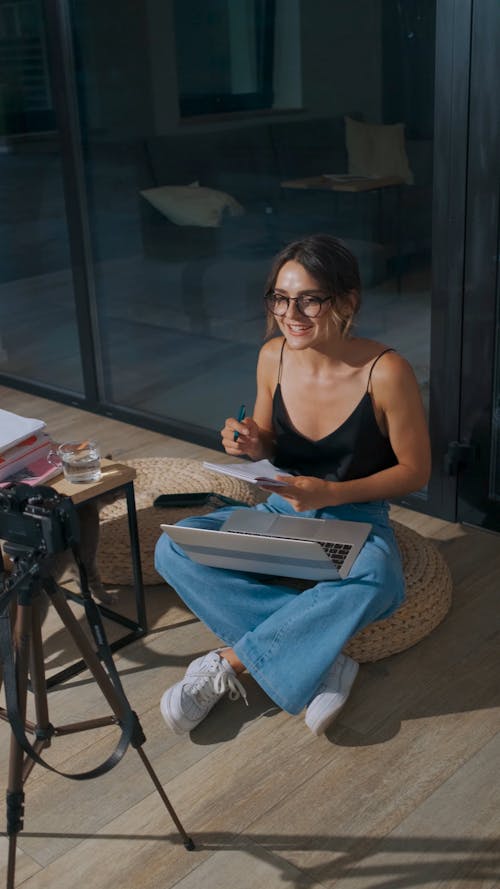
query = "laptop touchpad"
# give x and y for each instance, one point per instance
(300, 529)
(249, 521)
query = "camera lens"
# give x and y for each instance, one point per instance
(5, 501)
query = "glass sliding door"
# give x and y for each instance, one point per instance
(39, 340)
(141, 280)
(180, 317)
(187, 210)
(478, 447)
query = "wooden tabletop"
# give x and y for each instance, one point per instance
(339, 183)
(113, 475)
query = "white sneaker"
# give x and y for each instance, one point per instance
(207, 679)
(331, 695)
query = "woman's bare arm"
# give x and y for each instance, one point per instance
(255, 434)
(395, 390)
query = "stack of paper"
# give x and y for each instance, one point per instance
(13, 429)
(24, 448)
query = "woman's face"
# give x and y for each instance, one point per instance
(300, 331)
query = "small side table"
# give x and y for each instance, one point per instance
(341, 182)
(115, 477)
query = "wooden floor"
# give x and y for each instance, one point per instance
(403, 791)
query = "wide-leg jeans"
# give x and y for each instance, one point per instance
(288, 639)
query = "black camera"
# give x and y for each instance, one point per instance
(37, 518)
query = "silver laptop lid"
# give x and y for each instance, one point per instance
(254, 553)
(294, 552)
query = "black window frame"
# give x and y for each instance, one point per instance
(196, 105)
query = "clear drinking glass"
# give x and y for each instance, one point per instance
(81, 460)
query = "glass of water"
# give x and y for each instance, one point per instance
(81, 461)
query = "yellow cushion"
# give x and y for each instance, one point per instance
(193, 204)
(377, 150)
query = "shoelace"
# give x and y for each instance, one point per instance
(208, 686)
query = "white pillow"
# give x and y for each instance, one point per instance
(377, 150)
(193, 204)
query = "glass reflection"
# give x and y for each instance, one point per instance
(38, 334)
(187, 213)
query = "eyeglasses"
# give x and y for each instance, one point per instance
(309, 306)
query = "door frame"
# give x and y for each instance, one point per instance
(451, 123)
(481, 340)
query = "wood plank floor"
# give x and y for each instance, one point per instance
(402, 791)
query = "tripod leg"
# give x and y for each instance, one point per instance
(85, 648)
(13, 613)
(37, 669)
(15, 793)
(188, 843)
(43, 729)
(101, 677)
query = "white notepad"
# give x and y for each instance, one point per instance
(260, 472)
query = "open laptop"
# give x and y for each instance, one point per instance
(266, 543)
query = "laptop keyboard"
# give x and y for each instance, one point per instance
(337, 552)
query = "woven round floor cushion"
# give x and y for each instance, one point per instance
(159, 475)
(428, 580)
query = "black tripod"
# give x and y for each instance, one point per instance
(22, 653)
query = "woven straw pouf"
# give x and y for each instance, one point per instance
(427, 601)
(158, 475)
(428, 579)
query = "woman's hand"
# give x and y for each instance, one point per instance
(305, 492)
(250, 441)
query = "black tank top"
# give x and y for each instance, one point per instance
(355, 450)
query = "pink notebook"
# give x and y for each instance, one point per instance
(36, 473)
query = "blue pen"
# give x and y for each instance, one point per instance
(241, 416)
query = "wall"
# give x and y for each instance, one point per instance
(163, 71)
(111, 45)
(328, 54)
(342, 56)
(287, 55)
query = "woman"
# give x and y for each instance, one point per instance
(344, 415)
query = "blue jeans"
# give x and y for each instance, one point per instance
(289, 639)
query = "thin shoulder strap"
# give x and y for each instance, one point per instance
(280, 368)
(374, 363)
